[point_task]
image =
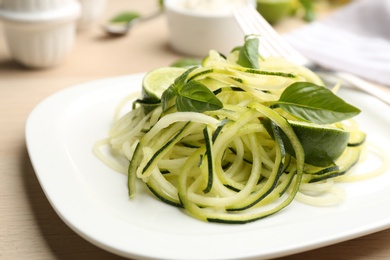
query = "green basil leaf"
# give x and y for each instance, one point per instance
(173, 90)
(190, 95)
(249, 54)
(167, 95)
(314, 103)
(182, 79)
(196, 97)
(125, 17)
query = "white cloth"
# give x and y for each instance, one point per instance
(354, 39)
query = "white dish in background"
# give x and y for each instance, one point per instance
(92, 199)
(91, 11)
(34, 5)
(194, 30)
(40, 33)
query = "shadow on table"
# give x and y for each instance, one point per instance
(63, 242)
(9, 65)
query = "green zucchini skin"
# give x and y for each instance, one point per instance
(357, 138)
(209, 156)
(353, 157)
(161, 196)
(133, 166)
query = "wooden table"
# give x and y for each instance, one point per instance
(29, 227)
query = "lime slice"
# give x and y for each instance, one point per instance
(274, 10)
(186, 62)
(158, 80)
(322, 144)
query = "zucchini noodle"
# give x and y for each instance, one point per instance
(225, 165)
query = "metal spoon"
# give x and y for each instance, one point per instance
(121, 29)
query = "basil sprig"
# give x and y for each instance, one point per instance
(125, 17)
(305, 100)
(314, 103)
(249, 53)
(192, 95)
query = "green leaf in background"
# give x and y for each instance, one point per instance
(196, 97)
(309, 10)
(186, 62)
(125, 17)
(161, 3)
(314, 103)
(249, 53)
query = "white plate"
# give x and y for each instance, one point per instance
(93, 201)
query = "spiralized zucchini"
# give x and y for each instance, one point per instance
(224, 165)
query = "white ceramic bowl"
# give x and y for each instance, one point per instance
(39, 33)
(91, 10)
(194, 30)
(33, 6)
